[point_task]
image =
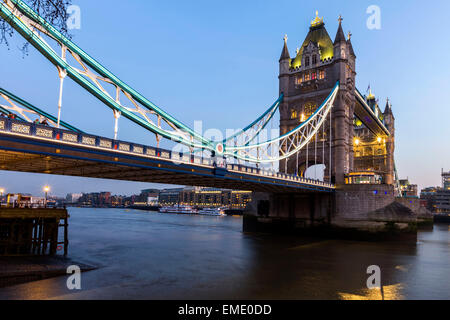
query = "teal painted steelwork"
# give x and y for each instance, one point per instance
(272, 110)
(37, 110)
(185, 135)
(295, 129)
(233, 150)
(50, 54)
(7, 113)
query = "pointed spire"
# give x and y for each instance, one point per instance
(285, 53)
(350, 46)
(371, 96)
(340, 33)
(388, 108)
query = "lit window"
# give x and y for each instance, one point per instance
(293, 114)
(309, 109)
(313, 76)
(299, 80)
(307, 77)
(322, 74)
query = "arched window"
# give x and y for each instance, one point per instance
(368, 151)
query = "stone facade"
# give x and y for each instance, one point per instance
(306, 81)
(354, 202)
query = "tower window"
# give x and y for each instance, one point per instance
(306, 61)
(322, 74)
(314, 59)
(309, 109)
(293, 114)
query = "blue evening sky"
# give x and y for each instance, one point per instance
(217, 61)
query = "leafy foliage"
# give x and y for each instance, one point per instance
(54, 11)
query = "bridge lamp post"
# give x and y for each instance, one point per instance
(46, 190)
(2, 191)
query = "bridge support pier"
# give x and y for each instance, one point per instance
(356, 212)
(270, 212)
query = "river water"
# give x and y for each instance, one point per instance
(148, 255)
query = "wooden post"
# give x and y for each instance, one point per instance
(35, 235)
(66, 234)
(41, 234)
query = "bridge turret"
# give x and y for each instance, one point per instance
(343, 112)
(340, 43)
(389, 121)
(351, 53)
(285, 64)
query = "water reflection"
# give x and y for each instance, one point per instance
(147, 255)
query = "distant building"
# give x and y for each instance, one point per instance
(407, 189)
(446, 180)
(193, 196)
(73, 197)
(150, 197)
(437, 199)
(102, 199)
(205, 197)
(240, 199)
(169, 197)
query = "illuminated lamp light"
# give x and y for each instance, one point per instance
(357, 141)
(302, 117)
(379, 139)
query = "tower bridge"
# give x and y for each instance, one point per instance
(324, 119)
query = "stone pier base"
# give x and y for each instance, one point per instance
(358, 212)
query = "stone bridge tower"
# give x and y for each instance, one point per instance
(306, 81)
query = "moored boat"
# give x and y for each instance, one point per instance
(212, 212)
(179, 209)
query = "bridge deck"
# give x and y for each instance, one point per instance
(34, 148)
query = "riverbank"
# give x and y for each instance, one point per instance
(17, 270)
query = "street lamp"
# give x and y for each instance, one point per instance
(2, 191)
(46, 190)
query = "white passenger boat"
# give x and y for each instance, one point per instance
(212, 212)
(178, 209)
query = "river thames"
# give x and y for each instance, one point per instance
(148, 255)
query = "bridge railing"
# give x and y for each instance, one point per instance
(44, 132)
